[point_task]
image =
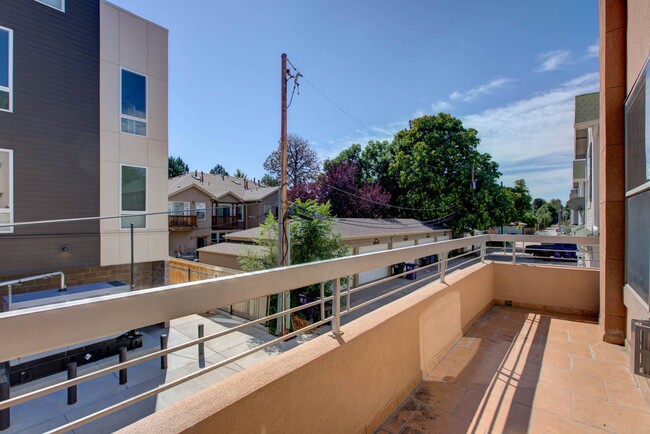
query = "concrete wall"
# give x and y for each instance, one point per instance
(130, 42)
(352, 383)
(568, 290)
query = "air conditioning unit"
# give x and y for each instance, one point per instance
(641, 350)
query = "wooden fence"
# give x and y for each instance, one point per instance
(183, 271)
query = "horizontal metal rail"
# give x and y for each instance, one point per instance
(56, 326)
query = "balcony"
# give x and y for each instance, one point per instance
(492, 339)
(182, 222)
(224, 222)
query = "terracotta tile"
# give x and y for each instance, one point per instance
(544, 422)
(626, 395)
(611, 417)
(552, 399)
(573, 381)
(440, 371)
(466, 355)
(440, 395)
(480, 331)
(584, 338)
(610, 353)
(405, 411)
(568, 347)
(430, 420)
(612, 371)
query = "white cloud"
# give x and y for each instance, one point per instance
(593, 50)
(533, 138)
(552, 60)
(439, 106)
(476, 92)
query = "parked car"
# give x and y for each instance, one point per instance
(554, 251)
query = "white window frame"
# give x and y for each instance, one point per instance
(146, 102)
(54, 7)
(146, 198)
(197, 210)
(10, 88)
(170, 205)
(243, 213)
(9, 230)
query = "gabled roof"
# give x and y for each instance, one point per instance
(360, 228)
(217, 186)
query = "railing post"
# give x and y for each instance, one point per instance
(5, 417)
(514, 252)
(483, 251)
(347, 298)
(163, 346)
(72, 390)
(336, 308)
(443, 261)
(122, 359)
(322, 301)
(201, 345)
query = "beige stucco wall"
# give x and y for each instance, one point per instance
(186, 240)
(638, 38)
(136, 44)
(350, 381)
(570, 289)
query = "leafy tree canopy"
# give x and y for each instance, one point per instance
(219, 170)
(270, 181)
(176, 167)
(239, 174)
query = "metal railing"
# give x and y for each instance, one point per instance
(36, 330)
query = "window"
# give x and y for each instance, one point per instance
(6, 190)
(200, 211)
(6, 69)
(240, 213)
(56, 4)
(637, 181)
(178, 208)
(133, 196)
(133, 98)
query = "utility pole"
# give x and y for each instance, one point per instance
(283, 297)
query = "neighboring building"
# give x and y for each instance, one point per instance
(204, 208)
(362, 235)
(583, 199)
(83, 133)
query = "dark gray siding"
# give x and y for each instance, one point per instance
(54, 132)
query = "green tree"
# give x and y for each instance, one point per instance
(219, 170)
(544, 216)
(537, 203)
(523, 207)
(239, 174)
(270, 181)
(432, 169)
(176, 167)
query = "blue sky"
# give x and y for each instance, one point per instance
(510, 69)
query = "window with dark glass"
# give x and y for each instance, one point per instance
(637, 181)
(133, 103)
(133, 196)
(6, 69)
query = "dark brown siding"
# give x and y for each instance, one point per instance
(54, 132)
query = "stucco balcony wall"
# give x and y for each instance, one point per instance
(351, 383)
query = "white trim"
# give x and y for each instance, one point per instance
(146, 198)
(10, 230)
(638, 190)
(146, 102)
(54, 7)
(10, 88)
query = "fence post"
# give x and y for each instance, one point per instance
(336, 308)
(122, 359)
(201, 345)
(163, 346)
(5, 419)
(72, 390)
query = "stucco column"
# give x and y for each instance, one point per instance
(613, 58)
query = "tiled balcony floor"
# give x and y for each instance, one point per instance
(516, 371)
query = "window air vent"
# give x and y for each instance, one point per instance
(641, 350)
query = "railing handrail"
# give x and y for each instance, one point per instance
(39, 329)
